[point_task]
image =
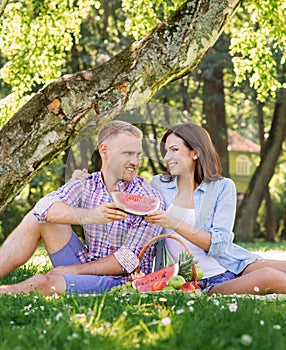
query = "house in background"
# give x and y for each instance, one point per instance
(244, 157)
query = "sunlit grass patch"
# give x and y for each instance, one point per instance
(133, 320)
(264, 246)
(39, 263)
(141, 320)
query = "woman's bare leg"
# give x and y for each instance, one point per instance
(261, 281)
(260, 263)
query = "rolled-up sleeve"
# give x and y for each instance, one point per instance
(221, 227)
(69, 194)
(218, 244)
(41, 209)
(139, 234)
(127, 259)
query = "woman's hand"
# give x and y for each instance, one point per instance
(163, 219)
(80, 174)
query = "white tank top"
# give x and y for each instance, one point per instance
(207, 263)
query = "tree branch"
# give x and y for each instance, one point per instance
(3, 5)
(52, 119)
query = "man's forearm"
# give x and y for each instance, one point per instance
(61, 213)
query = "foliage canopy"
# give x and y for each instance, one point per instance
(36, 38)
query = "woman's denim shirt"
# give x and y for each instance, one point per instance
(215, 207)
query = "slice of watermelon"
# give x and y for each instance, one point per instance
(134, 204)
(144, 284)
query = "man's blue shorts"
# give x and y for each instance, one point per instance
(208, 283)
(81, 283)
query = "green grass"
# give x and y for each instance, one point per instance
(172, 320)
(262, 245)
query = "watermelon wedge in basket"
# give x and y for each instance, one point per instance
(184, 268)
(145, 283)
(134, 204)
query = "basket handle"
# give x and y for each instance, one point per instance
(163, 236)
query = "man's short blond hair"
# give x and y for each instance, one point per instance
(117, 127)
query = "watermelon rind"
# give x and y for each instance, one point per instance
(144, 284)
(129, 210)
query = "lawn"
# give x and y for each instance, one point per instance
(131, 320)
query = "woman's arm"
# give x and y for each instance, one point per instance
(222, 221)
(216, 233)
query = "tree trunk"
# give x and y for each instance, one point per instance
(214, 100)
(51, 120)
(247, 211)
(270, 224)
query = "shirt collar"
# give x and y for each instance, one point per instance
(123, 185)
(203, 186)
(100, 178)
(174, 183)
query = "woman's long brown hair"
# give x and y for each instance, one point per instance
(208, 166)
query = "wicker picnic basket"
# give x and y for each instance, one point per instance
(163, 236)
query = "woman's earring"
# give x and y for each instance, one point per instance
(195, 157)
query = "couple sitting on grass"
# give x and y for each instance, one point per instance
(197, 204)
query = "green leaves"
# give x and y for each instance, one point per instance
(35, 38)
(258, 46)
(143, 15)
(186, 263)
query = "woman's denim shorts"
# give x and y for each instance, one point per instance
(208, 283)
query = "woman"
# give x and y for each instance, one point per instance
(201, 207)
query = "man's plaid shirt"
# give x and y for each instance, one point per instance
(124, 238)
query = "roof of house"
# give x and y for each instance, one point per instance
(238, 143)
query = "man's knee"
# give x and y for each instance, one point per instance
(29, 219)
(47, 230)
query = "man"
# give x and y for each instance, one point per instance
(113, 238)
